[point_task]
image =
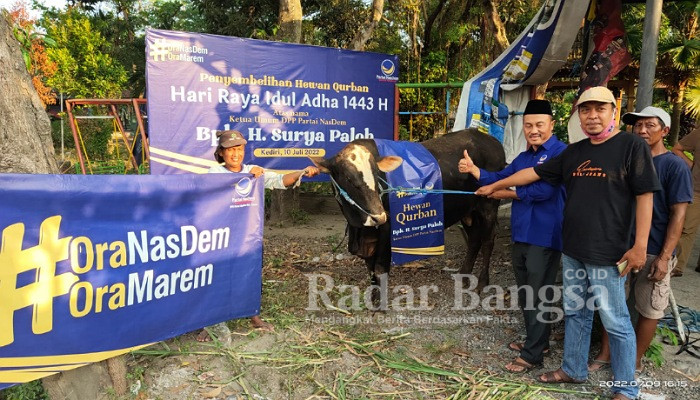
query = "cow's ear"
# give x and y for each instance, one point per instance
(321, 163)
(389, 163)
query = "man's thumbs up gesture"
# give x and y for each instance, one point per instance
(466, 166)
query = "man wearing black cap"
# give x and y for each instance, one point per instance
(230, 152)
(536, 220)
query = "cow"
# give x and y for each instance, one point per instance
(357, 169)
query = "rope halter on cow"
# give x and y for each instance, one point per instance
(417, 190)
(340, 191)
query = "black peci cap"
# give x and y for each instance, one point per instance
(538, 107)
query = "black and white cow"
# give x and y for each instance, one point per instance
(356, 169)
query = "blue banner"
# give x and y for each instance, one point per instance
(95, 266)
(482, 102)
(416, 218)
(290, 101)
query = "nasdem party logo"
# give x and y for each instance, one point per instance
(388, 69)
(243, 189)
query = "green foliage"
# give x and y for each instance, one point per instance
(85, 67)
(242, 18)
(96, 135)
(668, 335)
(333, 240)
(276, 262)
(27, 391)
(136, 373)
(68, 142)
(517, 14)
(692, 104)
(321, 188)
(333, 23)
(678, 66)
(299, 217)
(26, 37)
(176, 15)
(561, 107)
(655, 351)
(633, 20)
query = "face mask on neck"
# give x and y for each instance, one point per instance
(606, 132)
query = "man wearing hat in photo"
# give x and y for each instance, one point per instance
(536, 219)
(650, 287)
(230, 152)
(609, 180)
(691, 144)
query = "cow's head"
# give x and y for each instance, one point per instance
(355, 169)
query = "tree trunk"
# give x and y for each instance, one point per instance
(25, 131)
(414, 37)
(365, 32)
(283, 202)
(676, 114)
(290, 21)
(430, 21)
(89, 382)
(541, 90)
(498, 30)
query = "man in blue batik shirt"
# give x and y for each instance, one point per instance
(536, 223)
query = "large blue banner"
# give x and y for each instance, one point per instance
(290, 101)
(95, 266)
(482, 103)
(417, 229)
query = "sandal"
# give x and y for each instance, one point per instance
(518, 347)
(515, 346)
(596, 365)
(558, 376)
(522, 365)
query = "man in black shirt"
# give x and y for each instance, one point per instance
(609, 181)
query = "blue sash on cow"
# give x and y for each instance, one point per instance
(416, 218)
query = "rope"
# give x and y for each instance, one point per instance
(690, 323)
(417, 190)
(347, 225)
(347, 197)
(425, 191)
(298, 181)
(342, 193)
(689, 317)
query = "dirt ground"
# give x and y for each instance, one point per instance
(421, 348)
